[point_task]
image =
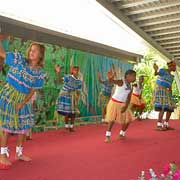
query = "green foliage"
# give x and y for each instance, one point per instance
(145, 68)
(45, 105)
(175, 89)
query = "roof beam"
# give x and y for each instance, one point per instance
(176, 53)
(114, 0)
(169, 42)
(157, 21)
(157, 6)
(157, 14)
(163, 33)
(136, 3)
(168, 38)
(172, 46)
(174, 50)
(114, 10)
(162, 27)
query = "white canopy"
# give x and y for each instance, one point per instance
(82, 18)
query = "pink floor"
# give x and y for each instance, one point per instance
(83, 155)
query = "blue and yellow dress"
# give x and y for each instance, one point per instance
(20, 79)
(163, 99)
(67, 101)
(105, 94)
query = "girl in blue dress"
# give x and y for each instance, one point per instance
(24, 77)
(163, 101)
(67, 101)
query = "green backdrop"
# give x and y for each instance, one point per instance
(89, 64)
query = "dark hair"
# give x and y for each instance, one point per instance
(142, 77)
(74, 67)
(129, 72)
(171, 63)
(41, 50)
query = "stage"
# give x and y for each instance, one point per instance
(83, 155)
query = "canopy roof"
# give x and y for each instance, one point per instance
(79, 24)
(156, 21)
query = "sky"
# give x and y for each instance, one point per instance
(82, 18)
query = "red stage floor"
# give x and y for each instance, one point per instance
(83, 155)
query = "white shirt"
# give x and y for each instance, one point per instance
(121, 92)
(137, 90)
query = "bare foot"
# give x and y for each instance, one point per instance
(4, 160)
(107, 139)
(23, 158)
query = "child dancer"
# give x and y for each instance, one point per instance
(67, 102)
(16, 115)
(105, 94)
(137, 103)
(163, 101)
(117, 108)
